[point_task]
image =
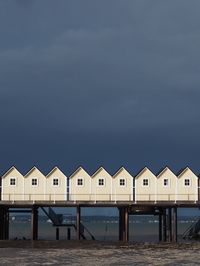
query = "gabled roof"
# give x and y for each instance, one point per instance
(77, 170)
(142, 171)
(98, 171)
(162, 170)
(53, 170)
(31, 170)
(183, 170)
(119, 171)
(9, 171)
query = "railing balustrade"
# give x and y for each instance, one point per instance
(54, 197)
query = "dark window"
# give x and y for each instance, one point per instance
(166, 182)
(55, 181)
(34, 182)
(187, 182)
(122, 182)
(79, 182)
(12, 181)
(101, 182)
(145, 182)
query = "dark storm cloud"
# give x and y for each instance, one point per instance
(99, 82)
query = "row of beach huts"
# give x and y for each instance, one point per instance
(100, 186)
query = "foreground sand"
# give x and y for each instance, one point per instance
(97, 253)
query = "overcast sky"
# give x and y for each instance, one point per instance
(99, 83)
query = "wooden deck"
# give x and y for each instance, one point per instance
(28, 204)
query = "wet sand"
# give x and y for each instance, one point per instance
(97, 253)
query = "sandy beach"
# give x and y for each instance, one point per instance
(97, 253)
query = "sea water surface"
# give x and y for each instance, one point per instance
(141, 228)
(143, 248)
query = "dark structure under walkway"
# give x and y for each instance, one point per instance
(167, 230)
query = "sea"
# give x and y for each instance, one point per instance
(103, 228)
(142, 249)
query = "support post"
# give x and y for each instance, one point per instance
(174, 224)
(1, 223)
(34, 223)
(68, 234)
(126, 225)
(6, 223)
(164, 231)
(78, 221)
(123, 224)
(57, 233)
(169, 225)
(120, 223)
(160, 226)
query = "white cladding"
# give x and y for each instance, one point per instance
(101, 186)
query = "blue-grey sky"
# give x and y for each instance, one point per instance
(95, 83)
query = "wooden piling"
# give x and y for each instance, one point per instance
(4, 223)
(120, 224)
(57, 233)
(6, 226)
(174, 224)
(68, 233)
(34, 223)
(78, 221)
(126, 225)
(164, 231)
(1, 223)
(160, 227)
(123, 224)
(169, 225)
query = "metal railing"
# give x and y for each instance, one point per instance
(54, 197)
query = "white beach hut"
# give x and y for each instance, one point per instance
(12, 186)
(34, 185)
(166, 185)
(187, 185)
(145, 185)
(101, 185)
(56, 185)
(80, 185)
(122, 186)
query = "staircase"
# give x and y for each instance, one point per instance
(193, 230)
(57, 220)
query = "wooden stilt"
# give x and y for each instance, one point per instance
(174, 224)
(34, 223)
(6, 223)
(1, 223)
(68, 234)
(78, 221)
(126, 225)
(160, 226)
(164, 231)
(120, 223)
(57, 233)
(123, 224)
(169, 225)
